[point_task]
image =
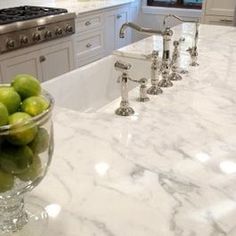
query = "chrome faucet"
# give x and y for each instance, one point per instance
(155, 73)
(143, 97)
(124, 109)
(166, 35)
(143, 91)
(137, 28)
(165, 67)
(192, 50)
(174, 76)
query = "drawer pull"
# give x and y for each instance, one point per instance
(119, 16)
(42, 59)
(226, 21)
(89, 45)
(87, 23)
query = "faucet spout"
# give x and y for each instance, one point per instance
(179, 19)
(137, 28)
(196, 22)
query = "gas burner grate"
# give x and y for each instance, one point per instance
(22, 13)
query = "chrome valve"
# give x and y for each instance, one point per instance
(155, 73)
(175, 76)
(124, 109)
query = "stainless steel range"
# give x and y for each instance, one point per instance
(29, 25)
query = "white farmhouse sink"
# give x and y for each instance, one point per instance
(91, 87)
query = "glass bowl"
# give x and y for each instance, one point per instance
(22, 167)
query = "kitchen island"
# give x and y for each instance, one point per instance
(169, 170)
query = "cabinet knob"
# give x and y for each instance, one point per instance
(36, 37)
(42, 59)
(89, 45)
(119, 16)
(10, 43)
(87, 23)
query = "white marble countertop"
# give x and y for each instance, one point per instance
(170, 170)
(77, 6)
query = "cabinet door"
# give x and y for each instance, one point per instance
(219, 7)
(56, 60)
(219, 20)
(113, 23)
(122, 16)
(23, 64)
(110, 33)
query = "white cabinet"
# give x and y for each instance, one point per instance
(56, 60)
(219, 20)
(218, 12)
(23, 64)
(113, 22)
(97, 33)
(220, 8)
(42, 62)
(122, 16)
(89, 40)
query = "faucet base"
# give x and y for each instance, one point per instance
(124, 111)
(154, 90)
(146, 99)
(175, 76)
(165, 83)
(182, 71)
(194, 64)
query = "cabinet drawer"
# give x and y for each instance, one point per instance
(89, 22)
(90, 44)
(219, 20)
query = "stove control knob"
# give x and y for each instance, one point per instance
(59, 31)
(24, 40)
(69, 29)
(48, 34)
(36, 37)
(11, 43)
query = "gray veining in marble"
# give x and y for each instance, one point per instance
(170, 170)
